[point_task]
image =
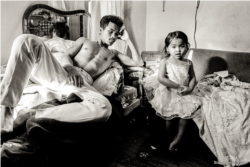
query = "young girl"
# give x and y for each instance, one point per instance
(172, 87)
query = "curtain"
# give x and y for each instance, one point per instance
(74, 20)
(98, 9)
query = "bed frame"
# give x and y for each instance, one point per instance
(36, 13)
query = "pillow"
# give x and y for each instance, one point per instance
(111, 81)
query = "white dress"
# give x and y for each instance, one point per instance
(167, 103)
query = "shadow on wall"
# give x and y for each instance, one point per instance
(216, 64)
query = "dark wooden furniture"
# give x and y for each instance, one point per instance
(37, 15)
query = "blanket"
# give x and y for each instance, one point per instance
(224, 118)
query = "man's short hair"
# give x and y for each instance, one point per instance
(61, 29)
(111, 18)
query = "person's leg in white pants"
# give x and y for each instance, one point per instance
(29, 55)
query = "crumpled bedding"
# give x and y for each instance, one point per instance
(224, 118)
(16, 151)
(107, 83)
(44, 137)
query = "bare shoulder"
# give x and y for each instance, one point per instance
(163, 61)
(81, 40)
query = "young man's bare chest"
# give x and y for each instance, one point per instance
(93, 58)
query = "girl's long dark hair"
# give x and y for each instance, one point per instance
(170, 37)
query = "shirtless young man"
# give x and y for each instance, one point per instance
(94, 56)
(30, 56)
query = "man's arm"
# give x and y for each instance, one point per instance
(136, 59)
(68, 56)
(66, 62)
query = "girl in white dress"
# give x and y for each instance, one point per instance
(171, 87)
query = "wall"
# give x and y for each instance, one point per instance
(177, 16)
(135, 13)
(11, 24)
(135, 16)
(221, 25)
(224, 25)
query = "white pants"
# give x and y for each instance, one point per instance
(30, 56)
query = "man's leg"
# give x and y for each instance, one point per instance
(30, 55)
(17, 74)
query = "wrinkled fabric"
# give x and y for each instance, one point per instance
(16, 150)
(86, 77)
(224, 118)
(166, 101)
(106, 84)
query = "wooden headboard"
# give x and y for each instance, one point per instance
(39, 18)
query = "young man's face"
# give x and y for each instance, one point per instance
(110, 33)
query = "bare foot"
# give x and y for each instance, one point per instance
(22, 116)
(174, 145)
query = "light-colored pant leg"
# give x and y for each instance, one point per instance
(30, 55)
(94, 107)
(16, 75)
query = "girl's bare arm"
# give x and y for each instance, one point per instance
(162, 78)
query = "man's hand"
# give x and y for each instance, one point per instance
(123, 34)
(74, 77)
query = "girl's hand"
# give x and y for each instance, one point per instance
(74, 77)
(179, 89)
(184, 90)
